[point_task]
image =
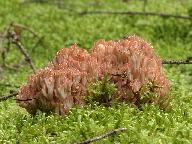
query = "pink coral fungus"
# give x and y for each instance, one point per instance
(130, 63)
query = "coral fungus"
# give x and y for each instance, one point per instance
(130, 64)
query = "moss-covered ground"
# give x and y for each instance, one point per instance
(61, 26)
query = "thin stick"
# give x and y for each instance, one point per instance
(25, 28)
(24, 52)
(138, 13)
(176, 62)
(169, 62)
(13, 34)
(25, 99)
(3, 98)
(102, 136)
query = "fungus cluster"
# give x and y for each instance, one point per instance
(130, 64)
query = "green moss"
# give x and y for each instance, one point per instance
(102, 91)
(60, 27)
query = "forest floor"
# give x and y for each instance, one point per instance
(61, 25)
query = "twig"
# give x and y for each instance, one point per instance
(25, 99)
(25, 28)
(102, 136)
(24, 52)
(188, 61)
(137, 13)
(12, 35)
(3, 98)
(176, 62)
(15, 40)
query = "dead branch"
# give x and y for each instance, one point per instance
(131, 13)
(102, 136)
(22, 27)
(25, 99)
(26, 55)
(3, 98)
(176, 62)
(12, 35)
